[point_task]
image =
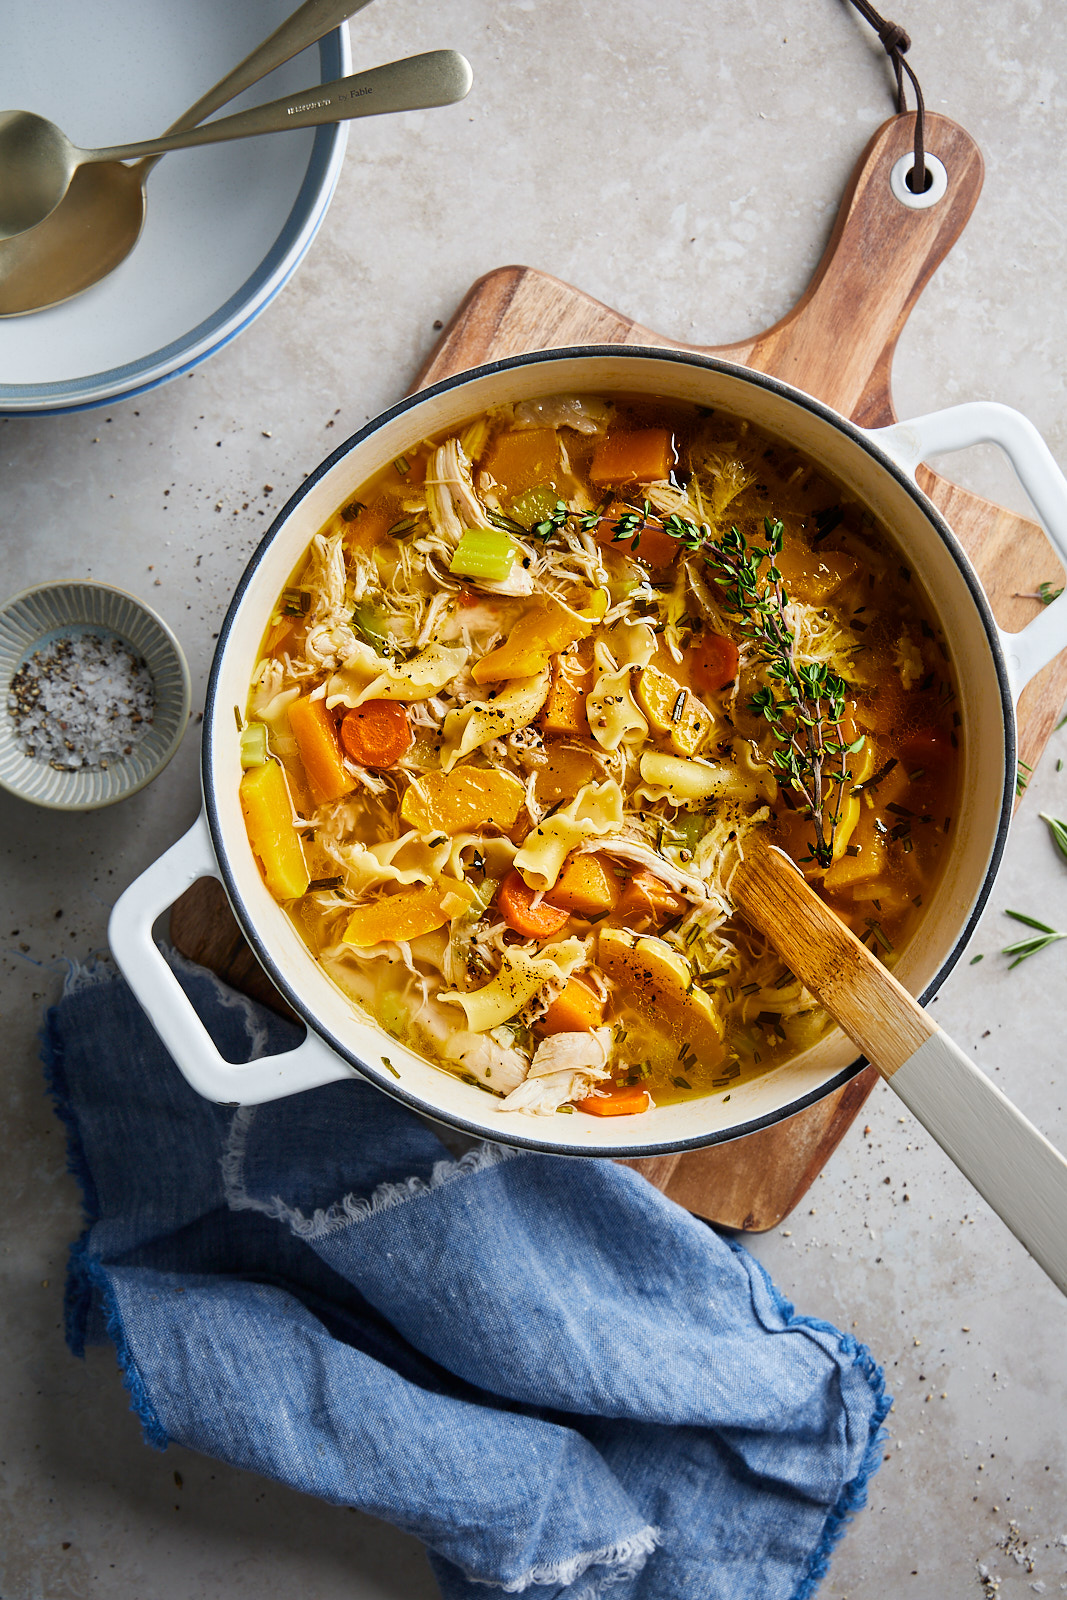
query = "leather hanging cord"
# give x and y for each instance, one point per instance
(895, 42)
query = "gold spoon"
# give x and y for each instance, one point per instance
(37, 160)
(99, 219)
(1012, 1165)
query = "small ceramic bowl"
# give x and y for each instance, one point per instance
(44, 616)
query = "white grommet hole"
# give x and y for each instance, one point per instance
(937, 182)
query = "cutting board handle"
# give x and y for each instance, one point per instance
(838, 340)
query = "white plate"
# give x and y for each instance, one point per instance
(226, 225)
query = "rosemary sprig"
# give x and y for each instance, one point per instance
(508, 524)
(1058, 831)
(1029, 947)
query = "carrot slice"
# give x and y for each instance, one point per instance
(514, 899)
(713, 664)
(315, 732)
(377, 733)
(624, 1102)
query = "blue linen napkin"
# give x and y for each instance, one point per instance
(562, 1382)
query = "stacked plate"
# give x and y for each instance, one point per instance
(226, 224)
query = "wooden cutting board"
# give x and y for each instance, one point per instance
(837, 344)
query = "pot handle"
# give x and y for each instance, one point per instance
(987, 422)
(165, 1002)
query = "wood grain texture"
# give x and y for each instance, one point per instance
(203, 927)
(873, 1008)
(751, 1184)
(837, 343)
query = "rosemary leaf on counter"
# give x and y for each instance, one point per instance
(1029, 947)
(1058, 831)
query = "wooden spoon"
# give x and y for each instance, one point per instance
(1013, 1167)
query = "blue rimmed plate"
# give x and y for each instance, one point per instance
(226, 225)
(50, 612)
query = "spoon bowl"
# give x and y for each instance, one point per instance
(37, 162)
(93, 229)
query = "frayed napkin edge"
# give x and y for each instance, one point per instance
(853, 1496)
(351, 1208)
(620, 1562)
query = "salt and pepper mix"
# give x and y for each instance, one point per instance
(82, 702)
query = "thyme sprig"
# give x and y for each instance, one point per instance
(803, 702)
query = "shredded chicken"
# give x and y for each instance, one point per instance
(502, 1068)
(575, 1052)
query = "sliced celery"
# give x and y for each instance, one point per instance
(687, 831)
(483, 553)
(254, 744)
(536, 505)
(369, 621)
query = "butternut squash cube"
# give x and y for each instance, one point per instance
(674, 710)
(657, 982)
(646, 901)
(564, 710)
(524, 460)
(586, 885)
(577, 1010)
(467, 797)
(532, 642)
(568, 767)
(407, 914)
(644, 456)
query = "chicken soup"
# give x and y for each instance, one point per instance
(523, 703)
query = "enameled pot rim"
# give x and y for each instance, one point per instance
(798, 397)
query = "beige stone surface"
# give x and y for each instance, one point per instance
(683, 162)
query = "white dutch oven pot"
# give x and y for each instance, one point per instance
(876, 467)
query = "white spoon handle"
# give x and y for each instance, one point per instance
(1012, 1165)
